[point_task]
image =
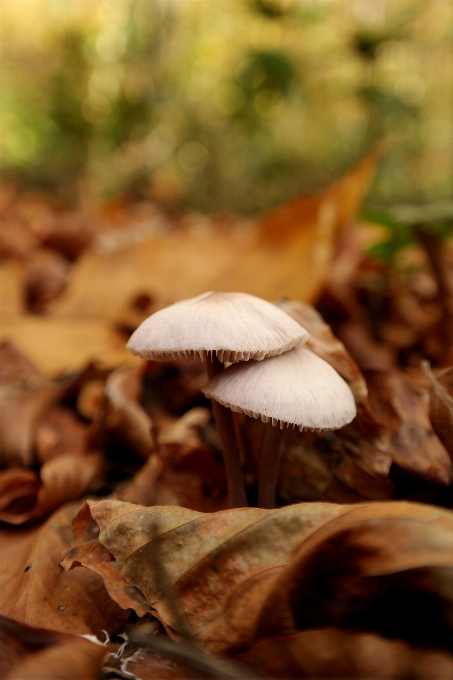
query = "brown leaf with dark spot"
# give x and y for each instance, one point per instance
(247, 574)
(36, 591)
(333, 653)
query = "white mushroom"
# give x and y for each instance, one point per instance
(297, 388)
(219, 327)
(234, 326)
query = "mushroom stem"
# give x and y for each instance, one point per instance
(268, 465)
(225, 427)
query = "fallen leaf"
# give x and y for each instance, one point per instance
(398, 402)
(35, 591)
(18, 492)
(124, 415)
(246, 574)
(72, 232)
(76, 659)
(60, 431)
(194, 476)
(333, 653)
(145, 488)
(332, 466)
(11, 293)
(64, 345)
(266, 260)
(24, 397)
(45, 277)
(441, 406)
(27, 652)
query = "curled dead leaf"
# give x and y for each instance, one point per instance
(25, 496)
(246, 574)
(124, 414)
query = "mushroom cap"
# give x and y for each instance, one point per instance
(296, 388)
(236, 326)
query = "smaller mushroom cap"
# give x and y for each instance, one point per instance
(235, 326)
(297, 388)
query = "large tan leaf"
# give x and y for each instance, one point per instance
(34, 590)
(245, 574)
(287, 253)
(59, 345)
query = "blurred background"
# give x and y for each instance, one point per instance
(225, 105)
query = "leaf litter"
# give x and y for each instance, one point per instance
(351, 576)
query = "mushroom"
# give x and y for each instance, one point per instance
(297, 388)
(217, 328)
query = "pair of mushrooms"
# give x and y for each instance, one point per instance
(271, 376)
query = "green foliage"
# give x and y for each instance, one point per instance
(224, 106)
(405, 221)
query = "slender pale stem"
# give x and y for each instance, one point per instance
(231, 456)
(268, 466)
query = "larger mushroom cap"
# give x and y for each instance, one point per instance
(235, 326)
(296, 388)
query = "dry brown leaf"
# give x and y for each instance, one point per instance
(124, 415)
(194, 476)
(145, 487)
(11, 292)
(268, 261)
(45, 277)
(72, 232)
(34, 590)
(25, 496)
(62, 345)
(398, 402)
(331, 653)
(60, 431)
(18, 492)
(441, 407)
(246, 574)
(30, 653)
(78, 658)
(334, 467)
(24, 398)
